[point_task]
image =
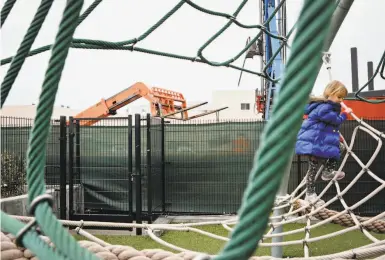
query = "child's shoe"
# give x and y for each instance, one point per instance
(329, 175)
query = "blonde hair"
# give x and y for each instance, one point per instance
(334, 88)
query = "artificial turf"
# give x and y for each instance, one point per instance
(197, 242)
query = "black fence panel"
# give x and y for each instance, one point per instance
(116, 167)
(198, 167)
(15, 134)
(101, 169)
(208, 164)
(151, 165)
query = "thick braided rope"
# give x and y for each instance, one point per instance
(9, 251)
(274, 154)
(377, 226)
(6, 10)
(24, 48)
(30, 239)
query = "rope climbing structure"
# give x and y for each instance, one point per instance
(21, 240)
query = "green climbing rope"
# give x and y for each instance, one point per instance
(129, 44)
(280, 132)
(24, 48)
(252, 41)
(30, 240)
(8, 5)
(88, 11)
(39, 50)
(65, 244)
(271, 158)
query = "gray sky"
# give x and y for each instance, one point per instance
(90, 75)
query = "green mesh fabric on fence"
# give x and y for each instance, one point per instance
(206, 165)
(101, 166)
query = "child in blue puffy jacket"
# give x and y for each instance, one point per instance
(319, 137)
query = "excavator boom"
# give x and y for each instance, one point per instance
(163, 103)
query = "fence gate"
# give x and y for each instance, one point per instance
(112, 166)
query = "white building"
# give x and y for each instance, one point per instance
(240, 103)
(29, 111)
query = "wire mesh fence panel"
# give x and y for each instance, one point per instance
(150, 165)
(15, 133)
(208, 164)
(156, 147)
(14, 144)
(101, 173)
(199, 167)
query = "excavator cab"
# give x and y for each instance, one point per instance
(164, 103)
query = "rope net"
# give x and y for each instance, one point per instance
(22, 241)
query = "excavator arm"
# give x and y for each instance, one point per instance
(163, 103)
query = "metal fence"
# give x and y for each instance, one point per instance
(15, 134)
(116, 167)
(136, 167)
(208, 164)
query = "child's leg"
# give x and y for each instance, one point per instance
(311, 195)
(311, 173)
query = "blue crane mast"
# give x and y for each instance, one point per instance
(265, 47)
(277, 27)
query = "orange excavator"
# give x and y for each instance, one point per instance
(163, 103)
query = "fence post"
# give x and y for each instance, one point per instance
(138, 177)
(77, 148)
(63, 167)
(71, 168)
(163, 169)
(130, 177)
(149, 180)
(299, 169)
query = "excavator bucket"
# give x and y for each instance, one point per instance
(167, 102)
(172, 103)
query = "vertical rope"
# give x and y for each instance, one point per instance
(280, 132)
(63, 241)
(24, 49)
(6, 10)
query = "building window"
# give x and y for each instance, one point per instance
(245, 106)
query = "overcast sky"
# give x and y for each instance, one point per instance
(90, 75)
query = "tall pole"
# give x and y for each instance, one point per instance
(354, 66)
(337, 19)
(370, 75)
(277, 251)
(263, 44)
